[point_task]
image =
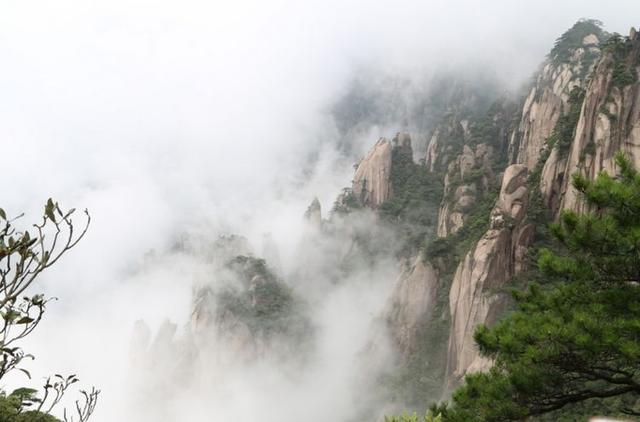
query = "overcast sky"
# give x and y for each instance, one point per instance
(99, 94)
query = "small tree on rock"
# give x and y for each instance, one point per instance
(24, 256)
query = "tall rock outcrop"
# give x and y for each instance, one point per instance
(467, 179)
(371, 182)
(470, 153)
(567, 67)
(583, 106)
(609, 120)
(547, 115)
(313, 214)
(250, 313)
(440, 148)
(412, 302)
(496, 257)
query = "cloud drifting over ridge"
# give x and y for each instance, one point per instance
(163, 117)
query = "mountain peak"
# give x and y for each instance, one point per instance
(585, 32)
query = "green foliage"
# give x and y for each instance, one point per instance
(346, 202)
(422, 373)
(492, 129)
(538, 213)
(15, 407)
(451, 249)
(385, 101)
(416, 196)
(406, 417)
(623, 72)
(24, 255)
(266, 304)
(565, 128)
(488, 129)
(574, 342)
(622, 75)
(248, 267)
(618, 46)
(589, 149)
(572, 39)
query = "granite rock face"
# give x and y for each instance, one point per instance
(609, 122)
(467, 179)
(413, 297)
(548, 100)
(372, 180)
(496, 257)
(500, 253)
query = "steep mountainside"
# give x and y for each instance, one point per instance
(505, 171)
(609, 121)
(449, 217)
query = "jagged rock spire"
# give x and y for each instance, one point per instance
(313, 214)
(371, 182)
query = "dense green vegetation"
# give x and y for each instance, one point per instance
(413, 207)
(15, 407)
(452, 249)
(422, 373)
(264, 303)
(623, 71)
(369, 101)
(565, 129)
(493, 128)
(406, 417)
(489, 129)
(345, 203)
(537, 211)
(572, 347)
(572, 39)
(622, 75)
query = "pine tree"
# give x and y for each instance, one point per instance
(574, 340)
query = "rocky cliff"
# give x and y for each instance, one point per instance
(252, 312)
(505, 173)
(475, 297)
(547, 117)
(242, 312)
(469, 176)
(413, 302)
(568, 66)
(609, 121)
(371, 182)
(459, 224)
